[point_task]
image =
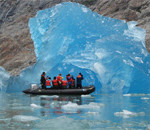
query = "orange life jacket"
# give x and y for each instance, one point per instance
(59, 78)
(48, 83)
(64, 83)
(79, 76)
(55, 83)
(73, 82)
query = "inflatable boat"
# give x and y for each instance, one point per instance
(66, 91)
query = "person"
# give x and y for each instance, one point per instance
(68, 77)
(55, 83)
(72, 82)
(64, 84)
(59, 79)
(43, 80)
(48, 81)
(79, 80)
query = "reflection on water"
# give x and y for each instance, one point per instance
(103, 111)
(53, 104)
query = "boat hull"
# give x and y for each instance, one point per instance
(76, 91)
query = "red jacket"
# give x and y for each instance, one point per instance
(64, 83)
(48, 83)
(55, 82)
(59, 78)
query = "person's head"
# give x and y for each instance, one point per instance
(59, 74)
(54, 77)
(72, 77)
(68, 74)
(80, 74)
(43, 73)
(48, 77)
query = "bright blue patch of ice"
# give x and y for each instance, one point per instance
(71, 38)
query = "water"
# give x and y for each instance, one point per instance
(96, 111)
(111, 54)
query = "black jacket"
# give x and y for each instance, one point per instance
(43, 80)
(79, 79)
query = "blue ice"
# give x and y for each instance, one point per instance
(70, 38)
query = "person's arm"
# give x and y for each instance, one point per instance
(82, 77)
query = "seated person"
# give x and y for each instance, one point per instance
(48, 81)
(72, 82)
(59, 79)
(55, 83)
(64, 84)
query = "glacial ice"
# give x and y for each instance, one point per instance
(70, 38)
(128, 114)
(4, 77)
(35, 106)
(74, 107)
(23, 118)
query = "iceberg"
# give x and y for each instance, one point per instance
(22, 118)
(4, 78)
(128, 114)
(70, 38)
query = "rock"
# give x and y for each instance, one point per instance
(128, 10)
(16, 46)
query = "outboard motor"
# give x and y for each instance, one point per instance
(33, 86)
